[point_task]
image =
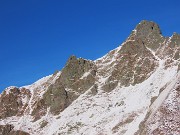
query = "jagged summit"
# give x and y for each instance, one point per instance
(132, 90)
(144, 28)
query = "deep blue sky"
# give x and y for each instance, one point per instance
(38, 36)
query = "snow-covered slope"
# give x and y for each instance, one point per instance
(132, 90)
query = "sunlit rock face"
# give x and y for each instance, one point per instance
(13, 101)
(133, 89)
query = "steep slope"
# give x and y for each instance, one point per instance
(134, 89)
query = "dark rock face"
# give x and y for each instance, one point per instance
(136, 63)
(18, 132)
(56, 98)
(11, 103)
(67, 87)
(149, 33)
(146, 29)
(8, 130)
(74, 70)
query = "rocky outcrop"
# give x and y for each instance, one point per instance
(18, 132)
(76, 77)
(135, 61)
(172, 50)
(13, 102)
(72, 75)
(150, 34)
(56, 98)
(8, 130)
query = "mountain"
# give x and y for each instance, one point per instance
(132, 90)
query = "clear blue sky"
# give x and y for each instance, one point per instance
(38, 36)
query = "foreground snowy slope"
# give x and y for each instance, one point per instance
(132, 90)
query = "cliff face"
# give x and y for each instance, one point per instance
(67, 87)
(134, 89)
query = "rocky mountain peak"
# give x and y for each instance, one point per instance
(148, 33)
(120, 93)
(146, 28)
(176, 37)
(75, 68)
(72, 58)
